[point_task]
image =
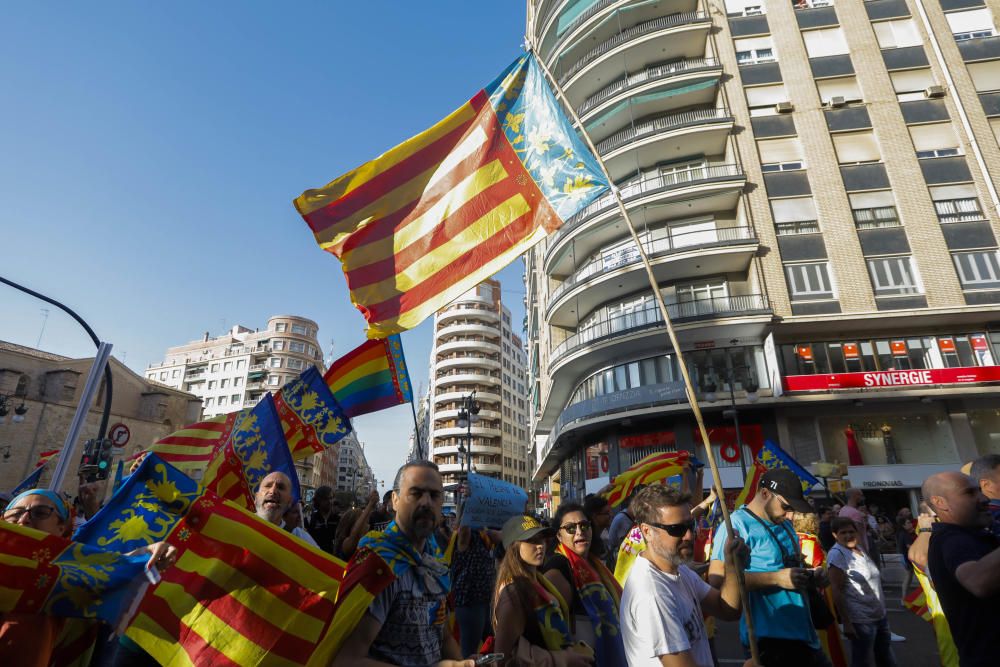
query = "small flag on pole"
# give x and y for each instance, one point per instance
(45, 457)
(371, 377)
(426, 221)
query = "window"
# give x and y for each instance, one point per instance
(241, 363)
(762, 99)
(910, 84)
(897, 34)
(299, 329)
(312, 351)
(985, 75)
(296, 364)
(794, 216)
(934, 140)
(278, 345)
(209, 402)
(222, 400)
(215, 368)
(856, 147)
(211, 384)
(957, 203)
(296, 346)
(237, 382)
(744, 7)
(754, 50)
(281, 327)
(175, 373)
(780, 154)
(892, 276)
(274, 380)
(274, 362)
(845, 87)
(971, 23)
(978, 270)
(874, 210)
(809, 281)
(227, 366)
(825, 42)
(235, 399)
(163, 375)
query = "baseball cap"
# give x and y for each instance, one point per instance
(521, 528)
(787, 484)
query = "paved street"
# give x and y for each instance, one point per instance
(919, 649)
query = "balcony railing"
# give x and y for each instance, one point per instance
(635, 189)
(663, 124)
(649, 317)
(628, 255)
(630, 34)
(652, 73)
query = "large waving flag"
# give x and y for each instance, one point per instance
(425, 222)
(371, 377)
(772, 456)
(242, 592)
(44, 574)
(255, 449)
(653, 468)
(192, 446)
(311, 418)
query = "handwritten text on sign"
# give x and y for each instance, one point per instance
(491, 502)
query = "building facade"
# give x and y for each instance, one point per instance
(48, 387)
(354, 473)
(814, 183)
(475, 350)
(232, 371)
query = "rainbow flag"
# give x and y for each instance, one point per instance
(428, 220)
(192, 447)
(772, 456)
(371, 377)
(653, 468)
(311, 418)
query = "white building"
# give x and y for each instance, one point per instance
(354, 474)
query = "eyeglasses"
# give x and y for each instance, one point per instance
(35, 512)
(571, 527)
(676, 529)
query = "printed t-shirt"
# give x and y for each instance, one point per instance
(409, 636)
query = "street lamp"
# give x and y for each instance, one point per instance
(468, 415)
(751, 388)
(19, 411)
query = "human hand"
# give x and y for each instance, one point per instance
(925, 521)
(161, 555)
(849, 630)
(373, 498)
(737, 552)
(820, 579)
(794, 578)
(468, 662)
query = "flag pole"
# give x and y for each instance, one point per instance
(416, 431)
(688, 387)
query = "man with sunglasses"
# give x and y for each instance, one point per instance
(663, 600)
(776, 581)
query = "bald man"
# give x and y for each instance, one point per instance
(274, 497)
(964, 563)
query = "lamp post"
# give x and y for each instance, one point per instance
(468, 414)
(751, 389)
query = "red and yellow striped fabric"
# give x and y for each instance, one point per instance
(45, 457)
(653, 468)
(916, 602)
(192, 446)
(225, 477)
(242, 592)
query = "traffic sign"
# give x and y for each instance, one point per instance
(119, 434)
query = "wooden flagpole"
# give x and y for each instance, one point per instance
(688, 387)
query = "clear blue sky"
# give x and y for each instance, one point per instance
(150, 152)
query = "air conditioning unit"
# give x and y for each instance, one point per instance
(934, 91)
(838, 101)
(784, 107)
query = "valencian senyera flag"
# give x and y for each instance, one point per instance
(311, 418)
(192, 446)
(426, 221)
(44, 574)
(242, 592)
(371, 377)
(772, 456)
(255, 449)
(653, 468)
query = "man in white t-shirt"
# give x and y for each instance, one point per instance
(663, 600)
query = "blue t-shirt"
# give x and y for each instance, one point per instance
(777, 612)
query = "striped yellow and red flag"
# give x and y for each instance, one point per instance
(192, 446)
(429, 219)
(653, 468)
(45, 457)
(916, 602)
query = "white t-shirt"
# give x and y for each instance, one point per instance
(661, 615)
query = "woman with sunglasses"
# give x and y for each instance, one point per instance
(587, 585)
(533, 630)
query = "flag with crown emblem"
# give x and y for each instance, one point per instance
(768, 457)
(312, 419)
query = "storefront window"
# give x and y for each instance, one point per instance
(887, 354)
(985, 425)
(924, 437)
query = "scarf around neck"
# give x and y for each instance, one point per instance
(600, 596)
(551, 613)
(400, 555)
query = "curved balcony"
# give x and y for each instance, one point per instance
(657, 89)
(703, 252)
(453, 414)
(487, 468)
(477, 431)
(467, 313)
(465, 378)
(467, 362)
(474, 329)
(641, 44)
(450, 468)
(444, 450)
(694, 191)
(483, 346)
(701, 131)
(481, 396)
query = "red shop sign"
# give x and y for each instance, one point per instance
(647, 439)
(898, 348)
(978, 343)
(850, 350)
(877, 379)
(947, 345)
(805, 351)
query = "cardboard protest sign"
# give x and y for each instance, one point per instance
(491, 502)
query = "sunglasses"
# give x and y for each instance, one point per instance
(571, 527)
(676, 529)
(35, 512)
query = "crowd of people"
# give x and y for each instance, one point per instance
(592, 586)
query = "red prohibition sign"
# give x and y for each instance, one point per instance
(730, 452)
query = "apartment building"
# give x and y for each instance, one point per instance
(815, 185)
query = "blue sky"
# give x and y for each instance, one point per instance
(150, 152)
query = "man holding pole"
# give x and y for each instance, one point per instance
(776, 581)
